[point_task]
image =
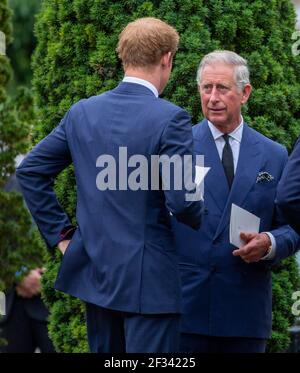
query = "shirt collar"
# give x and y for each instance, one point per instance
(236, 134)
(145, 83)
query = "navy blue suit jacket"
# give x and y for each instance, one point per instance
(288, 195)
(223, 295)
(122, 256)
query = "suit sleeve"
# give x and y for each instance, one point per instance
(287, 240)
(36, 177)
(177, 141)
(288, 194)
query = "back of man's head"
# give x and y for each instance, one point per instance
(143, 42)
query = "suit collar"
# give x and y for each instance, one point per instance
(215, 181)
(133, 89)
(250, 161)
(143, 82)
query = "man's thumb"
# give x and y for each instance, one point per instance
(247, 236)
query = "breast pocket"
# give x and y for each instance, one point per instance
(261, 197)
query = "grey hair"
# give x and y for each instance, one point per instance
(242, 75)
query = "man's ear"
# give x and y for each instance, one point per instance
(246, 93)
(166, 60)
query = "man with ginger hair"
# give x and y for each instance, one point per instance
(120, 259)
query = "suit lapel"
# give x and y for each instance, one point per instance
(215, 181)
(249, 164)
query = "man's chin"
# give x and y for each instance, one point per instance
(217, 120)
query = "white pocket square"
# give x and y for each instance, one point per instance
(263, 177)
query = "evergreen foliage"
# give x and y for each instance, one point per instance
(17, 238)
(21, 49)
(76, 58)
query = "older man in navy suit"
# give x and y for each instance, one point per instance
(227, 290)
(121, 259)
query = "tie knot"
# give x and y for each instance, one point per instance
(226, 138)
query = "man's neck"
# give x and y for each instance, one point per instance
(230, 127)
(150, 76)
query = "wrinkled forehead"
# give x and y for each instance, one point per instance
(218, 73)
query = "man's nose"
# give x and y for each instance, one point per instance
(214, 96)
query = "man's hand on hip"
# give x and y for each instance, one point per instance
(255, 248)
(63, 245)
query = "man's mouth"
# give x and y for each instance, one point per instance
(215, 110)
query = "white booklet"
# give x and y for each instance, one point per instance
(200, 174)
(199, 179)
(241, 220)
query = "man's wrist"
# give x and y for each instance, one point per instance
(270, 252)
(67, 233)
(267, 252)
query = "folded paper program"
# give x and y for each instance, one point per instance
(241, 221)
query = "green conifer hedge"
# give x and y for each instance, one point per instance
(76, 58)
(21, 49)
(18, 241)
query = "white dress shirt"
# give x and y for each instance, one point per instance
(145, 83)
(235, 139)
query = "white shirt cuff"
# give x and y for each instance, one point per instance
(272, 252)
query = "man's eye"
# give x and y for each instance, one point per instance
(207, 88)
(222, 88)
